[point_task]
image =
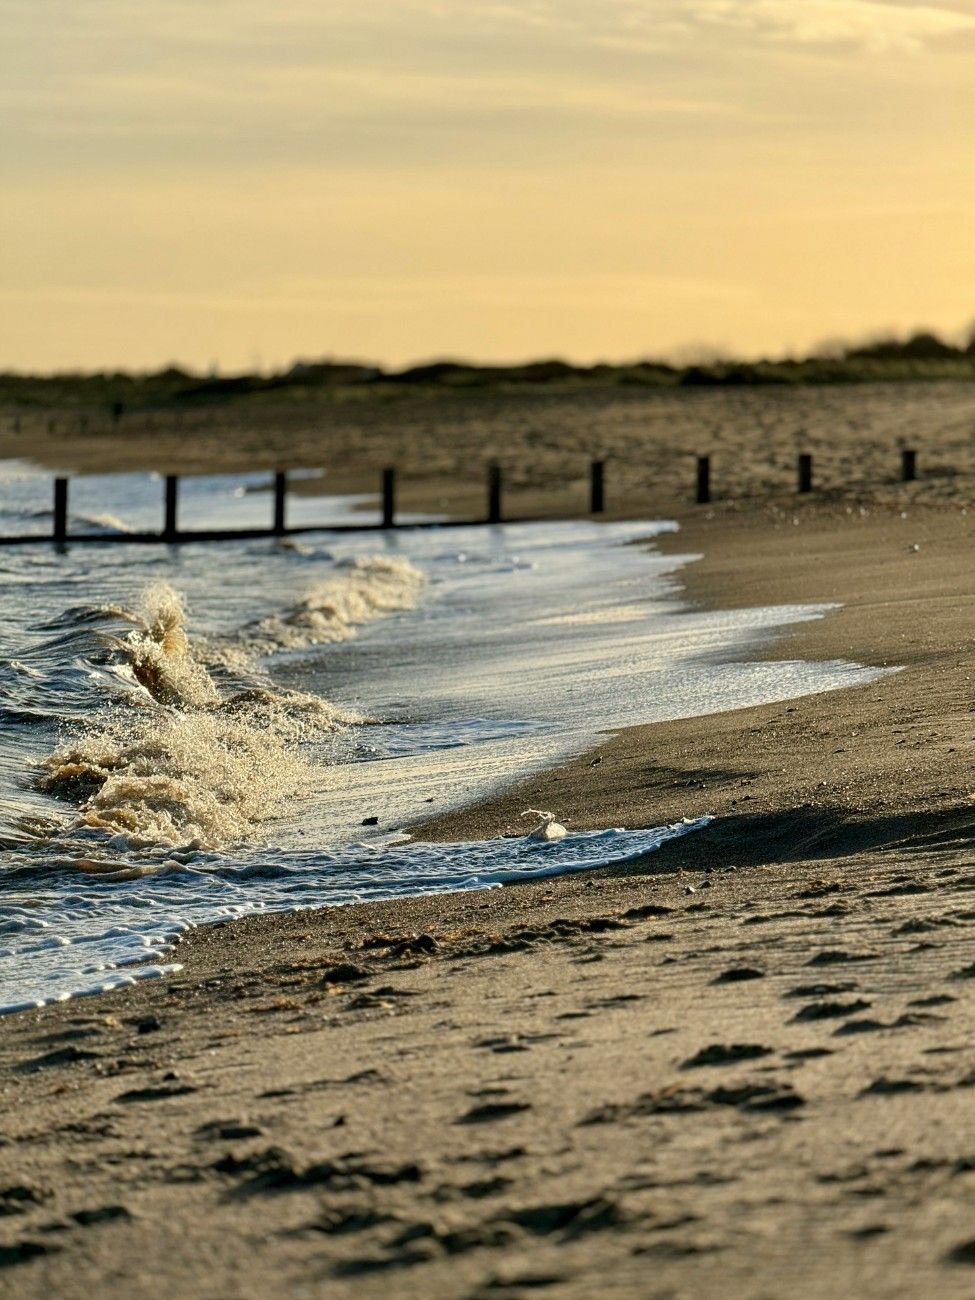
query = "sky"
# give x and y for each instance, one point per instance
(236, 183)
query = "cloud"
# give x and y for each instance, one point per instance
(161, 69)
(131, 88)
(877, 26)
(389, 83)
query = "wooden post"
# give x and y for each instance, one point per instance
(494, 493)
(389, 498)
(596, 483)
(805, 472)
(280, 493)
(908, 464)
(60, 509)
(703, 480)
(172, 497)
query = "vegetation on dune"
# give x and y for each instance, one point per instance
(922, 355)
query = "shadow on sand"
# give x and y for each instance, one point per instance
(806, 834)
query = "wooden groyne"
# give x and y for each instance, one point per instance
(171, 533)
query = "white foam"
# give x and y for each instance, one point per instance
(363, 588)
(104, 945)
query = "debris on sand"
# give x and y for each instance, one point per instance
(548, 828)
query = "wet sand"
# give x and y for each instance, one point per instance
(740, 1067)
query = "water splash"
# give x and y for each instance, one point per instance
(190, 766)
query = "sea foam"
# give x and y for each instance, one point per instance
(193, 766)
(363, 589)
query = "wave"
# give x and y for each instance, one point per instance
(363, 589)
(157, 650)
(196, 764)
(102, 522)
(182, 780)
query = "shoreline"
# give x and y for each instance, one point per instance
(839, 820)
(779, 563)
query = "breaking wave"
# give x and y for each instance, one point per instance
(363, 589)
(190, 780)
(198, 746)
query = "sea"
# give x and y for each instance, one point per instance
(197, 732)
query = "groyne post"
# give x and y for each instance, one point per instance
(280, 497)
(171, 504)
(805, 472)
(703, 480)
(596, 487)
(494, 493)
(908, 464)
(60, 509)
(389, 497)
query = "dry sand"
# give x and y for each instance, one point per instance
(441, 440)
(739, 1068)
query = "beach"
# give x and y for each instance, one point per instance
(440, 441)
(487, 517)
(736, 1066)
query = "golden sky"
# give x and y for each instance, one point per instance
(232, 181)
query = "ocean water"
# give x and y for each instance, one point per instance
(194, 733)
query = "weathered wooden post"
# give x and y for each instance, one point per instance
(389, 497)
(172, 499)
(494, 493)
(596, 484)
(908, 464)
(703, 480)
(805, 472)
(280, 494)
(60, 509)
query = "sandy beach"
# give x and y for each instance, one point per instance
(737, 1067)
(440, 442)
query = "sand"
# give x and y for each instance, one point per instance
(440, 441)
(738, 1068)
